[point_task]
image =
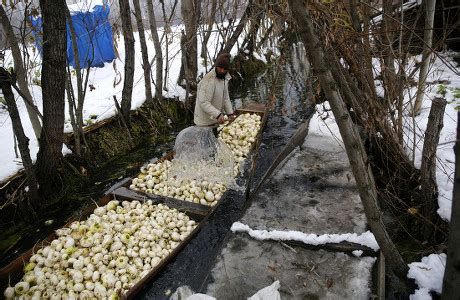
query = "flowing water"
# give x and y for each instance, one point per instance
(291, 106)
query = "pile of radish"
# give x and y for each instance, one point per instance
(105, 255)
(155, 178)
(240, 135)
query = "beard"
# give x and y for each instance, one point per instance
(220, 75)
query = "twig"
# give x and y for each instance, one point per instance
(122, 118)
(289, 247)
(450, 66)
(11, 198)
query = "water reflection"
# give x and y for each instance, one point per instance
(290, 83)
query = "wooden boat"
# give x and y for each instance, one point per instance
(196, 208)
(13, 272)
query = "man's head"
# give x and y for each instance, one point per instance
(222, 65)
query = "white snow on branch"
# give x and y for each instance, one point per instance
(365, 239)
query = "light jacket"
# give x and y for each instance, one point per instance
(212, 99)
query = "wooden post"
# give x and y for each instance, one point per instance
(428, 169)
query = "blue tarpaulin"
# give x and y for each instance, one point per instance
(94, 37)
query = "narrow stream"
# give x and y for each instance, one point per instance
(194, 263)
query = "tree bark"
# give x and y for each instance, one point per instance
(428, 169)
(128, 37)
(353, 145)
(53, 90)
(20, 72)
(388, 67)
(451, 282)
(72, 108)
(211, 20)
(75, 109)
(23, 141)
(144, 52)
(353, 5)
(190, 11)
(239, 28)
(427, 43)
(167, 27)
(158, 52)
(255, 19)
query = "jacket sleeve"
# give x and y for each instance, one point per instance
(205, 94)
(227, 103)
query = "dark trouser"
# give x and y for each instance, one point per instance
(214, 130)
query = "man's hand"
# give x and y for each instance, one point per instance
(220, 119)
(231, 117)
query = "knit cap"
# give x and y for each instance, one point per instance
(223, 61)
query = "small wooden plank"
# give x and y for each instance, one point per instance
(120, 183)
(253, 107)
(197, 209)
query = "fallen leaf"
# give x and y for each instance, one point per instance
(329, 282)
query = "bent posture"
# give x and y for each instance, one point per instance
(213, 101)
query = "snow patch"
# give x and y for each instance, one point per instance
(421, 294)
(365, 239)
(428, 275)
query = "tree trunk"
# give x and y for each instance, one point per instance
(190, 11)
(211, 20)
(354, 16)
(428, 169)
(53, 88)
(235, 35)
(451, 282)
(158, 53)
(144, 52)
(72, 108)
(128, 37)
(23, 142)
(77, 110)
(353, 145)
(364, 48)
(250, 39)
(167, 27)
(388, 67)
(427, 42)
(20, 72)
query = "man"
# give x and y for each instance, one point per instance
(213, 107)
(213, 102)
